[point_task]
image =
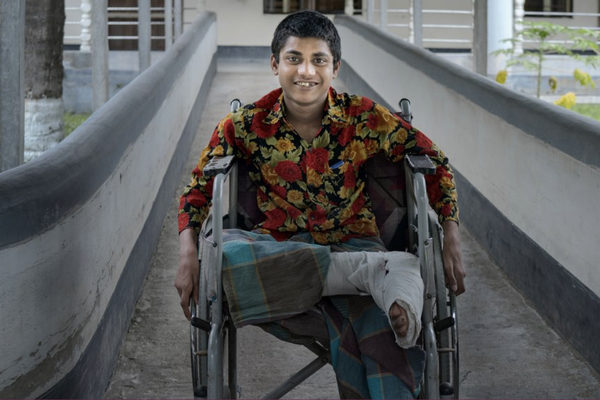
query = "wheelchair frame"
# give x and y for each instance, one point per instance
(213, 335)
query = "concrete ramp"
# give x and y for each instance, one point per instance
(507, 351)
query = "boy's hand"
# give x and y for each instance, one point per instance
(453, 266)
(186, 280)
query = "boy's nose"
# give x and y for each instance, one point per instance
(306, 69)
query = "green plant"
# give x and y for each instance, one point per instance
(589, 110)
(72, 121)
(543, 35)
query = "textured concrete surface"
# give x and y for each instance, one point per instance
(506, 350)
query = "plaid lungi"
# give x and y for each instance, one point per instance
(277, 285)
(265, 280)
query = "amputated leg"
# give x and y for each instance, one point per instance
(393, 280)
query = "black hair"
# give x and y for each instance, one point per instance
(307, 24)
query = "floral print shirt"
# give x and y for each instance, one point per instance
(319, 186)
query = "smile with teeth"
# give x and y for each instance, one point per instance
(305, 84)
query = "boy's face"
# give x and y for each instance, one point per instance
(305, 70)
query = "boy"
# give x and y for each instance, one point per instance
(305, 147)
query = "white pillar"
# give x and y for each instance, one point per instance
(178, 18)
(144, 34)
(12, 82)
(500, 26)
(415, 24)
(349, 7)
(480, 36)
(519, 17)
(370, 10)
(99, 53)
(86, 23)
(383, 7)
(169, 22)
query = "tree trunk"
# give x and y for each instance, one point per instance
(44, 109)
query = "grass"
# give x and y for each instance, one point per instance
(72, 121)
(589, 110)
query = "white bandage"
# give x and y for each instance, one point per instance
(388, 277)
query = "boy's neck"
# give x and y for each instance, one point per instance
(304, 115)
(306, 121)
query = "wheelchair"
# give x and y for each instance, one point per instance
(400, 203)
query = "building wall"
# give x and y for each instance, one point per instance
(242, 22)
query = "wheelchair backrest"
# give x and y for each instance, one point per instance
(386, 188)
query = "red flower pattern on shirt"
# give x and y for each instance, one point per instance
(347, 134)
(262, 130)
(229, 132)
(317, 159)
(288, 171)
(275, 218)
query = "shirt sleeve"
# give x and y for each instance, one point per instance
(399, 139)
(196, 198)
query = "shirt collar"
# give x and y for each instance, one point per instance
(334, 110)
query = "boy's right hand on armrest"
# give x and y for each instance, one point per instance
(186, 280)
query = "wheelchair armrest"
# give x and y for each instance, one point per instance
(219, 165)
(420, 163)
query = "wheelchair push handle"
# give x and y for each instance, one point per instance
(235, 104)
(222, 164)
(405, 112)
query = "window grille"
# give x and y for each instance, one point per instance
(546, 8)
(323, 6)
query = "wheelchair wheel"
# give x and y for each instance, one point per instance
(203, 378)
(198, 351)
(445, 319)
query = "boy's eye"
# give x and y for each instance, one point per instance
(320, 60)
(293, 59)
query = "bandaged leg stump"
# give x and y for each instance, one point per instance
(389, 277)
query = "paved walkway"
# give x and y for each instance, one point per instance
(506, 350)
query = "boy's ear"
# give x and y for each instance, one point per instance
(336, 68)
(274, 65)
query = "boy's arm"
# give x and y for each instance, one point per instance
(453, 266)
(193, 210)
(186, 280)
(404, 139)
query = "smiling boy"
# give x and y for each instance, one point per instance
(305, 68)
(305, 147)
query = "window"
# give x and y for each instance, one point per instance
(323, 6)
(122, 24)
(548, 6)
